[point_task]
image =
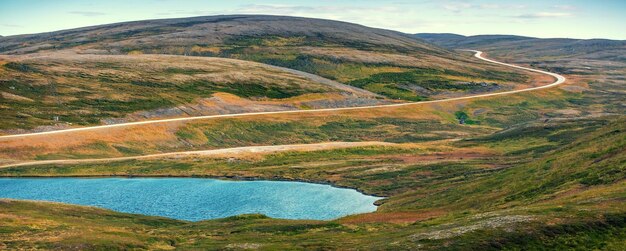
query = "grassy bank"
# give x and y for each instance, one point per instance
(483, 193)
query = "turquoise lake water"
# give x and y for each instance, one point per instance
(195, 199)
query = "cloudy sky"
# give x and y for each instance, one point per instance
(539, 18)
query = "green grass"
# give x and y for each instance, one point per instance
(578, 185)
(394, 92)
(20, 67)
(587, 165)
(606, 233)
(286, 52)
(396, 130)
(90, 93)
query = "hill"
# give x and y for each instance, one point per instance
(450, 40)
(393, 65)
(83, 89)
(166, 34)
(537, 48)
(337, 50)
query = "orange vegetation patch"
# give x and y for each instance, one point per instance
(577, 83)
(453, 155)
(307, 97)
(536, 79)
(416, 159)
(28, 147)
(230, 98)
(197, 48)
(296, 100)
(390, 217)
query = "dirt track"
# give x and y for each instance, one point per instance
(217, 152)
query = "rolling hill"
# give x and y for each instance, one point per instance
(84, 89)
(537, 48)
(184, 33)
(382, 66)
(333, 49)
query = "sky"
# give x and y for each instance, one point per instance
(537, 18)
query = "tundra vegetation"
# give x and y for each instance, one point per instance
(535, 170)
(98, 75)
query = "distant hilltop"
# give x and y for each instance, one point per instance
(163, 34)
(603, 49)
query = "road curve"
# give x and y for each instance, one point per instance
(478, 54)
(215, 152)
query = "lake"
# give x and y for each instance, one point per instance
(195, 199)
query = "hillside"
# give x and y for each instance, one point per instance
(389, 63)
(182, 33)
(537, 48)
(533, 186)
(83, 89)
(450, 40)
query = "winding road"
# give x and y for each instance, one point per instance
(478, 54)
